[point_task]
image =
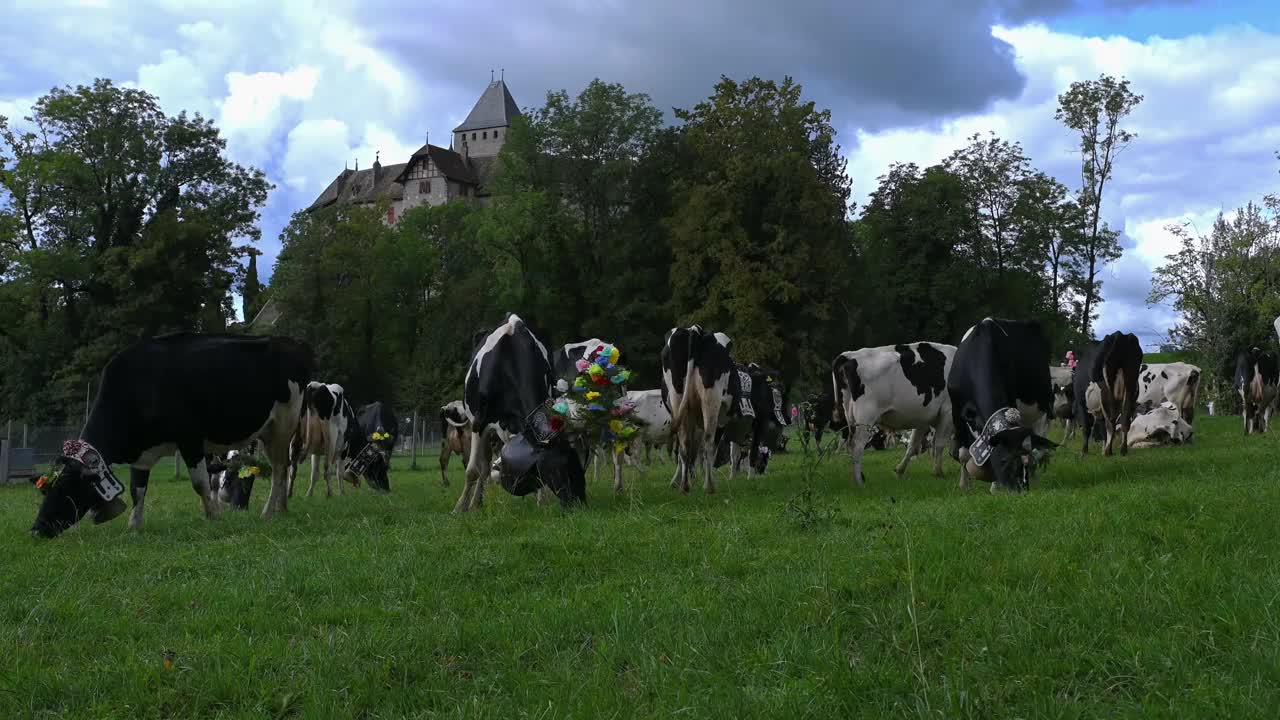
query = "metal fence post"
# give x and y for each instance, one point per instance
(413, 442)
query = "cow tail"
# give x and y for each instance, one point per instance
(1118, 392)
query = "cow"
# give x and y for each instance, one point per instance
(370, 446)
(1106, 388)
(653, 423)
(756, 420)
(187, 392)
(1177, 383)
(1256, 379)
(895, 387)
(1064, 407)
(508, 379)
(819, 416)
(1161, 425)
(696, 366)
(455, 436)
(1001, 402)
(327, 429)
(231, 477)
(564, 362)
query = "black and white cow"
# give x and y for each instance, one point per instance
(231, 477)
(756, 420)
(894, 387)
(1177, 383)
(376, 425)
(1064, 406)
(1161, 425)
(696, 365)
(1106, 388)
(1001, 402)
(192, 393)
(455, 436)
(510, 377)
(564, 362)
(327, 420)
(1256, 382)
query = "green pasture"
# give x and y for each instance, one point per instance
(1144, 586)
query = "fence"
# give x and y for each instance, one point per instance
(25, 449)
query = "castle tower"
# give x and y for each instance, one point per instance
(485, 129)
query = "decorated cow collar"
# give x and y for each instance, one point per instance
(105, 484)
(1000, 420)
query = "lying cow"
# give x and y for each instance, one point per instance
(455, 436)
(191, 393)
(696, 365)
(1001, 402)
(756, 420)
(1106, 389)
(1256, 380)
(895, 387)
(508, 379)
(1161, 425)
(1177, 383)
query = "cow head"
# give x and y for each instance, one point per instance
(235, 477)
(1007, 452)
(79, 483)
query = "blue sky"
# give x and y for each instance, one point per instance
(300, 87)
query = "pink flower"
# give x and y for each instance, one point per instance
(582, 365)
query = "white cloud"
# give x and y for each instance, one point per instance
(1207, 132)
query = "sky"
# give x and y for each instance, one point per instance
(300, 88)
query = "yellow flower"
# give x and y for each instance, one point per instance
(593, 395)
(613, 356)
(615, 425)
(618, 447)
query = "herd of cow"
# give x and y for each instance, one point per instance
(215, 398)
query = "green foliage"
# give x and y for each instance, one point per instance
(117, 222)
(761, 200)
(1094, 109)
(1226, 285)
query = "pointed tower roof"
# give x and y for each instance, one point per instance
(495, 108)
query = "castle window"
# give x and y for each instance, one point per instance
(495, 134)
(484, 135)
(473, 136)
(424, 187)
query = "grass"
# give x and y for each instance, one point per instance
(1144, 586)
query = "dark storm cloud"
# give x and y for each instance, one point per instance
(875, 63)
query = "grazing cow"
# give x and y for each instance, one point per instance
(1257, 377)
(756, 420)
(1162, 425)
(653, 423)
(370, 445)
(1001, 402)
(564, 362)
(1106, 387)
(1177, 383)
(510, 377)
(895, 387)
(819, 416)
(455, 436)
(192, 393)
(696, 366)
(326, 421)
(226, 479)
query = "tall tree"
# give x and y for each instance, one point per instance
(119, 221)
(761, 202)
(1094, 109)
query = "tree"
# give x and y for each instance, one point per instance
(761, 202)
(118, 222)
(1225, 285)
(1095, 109)
(251, 288)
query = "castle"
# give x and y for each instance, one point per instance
(435, 175)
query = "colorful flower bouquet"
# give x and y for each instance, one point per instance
(596, 408)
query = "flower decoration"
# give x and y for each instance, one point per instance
(42, 481)
(249, 471)
(596, 410)
(380, 436)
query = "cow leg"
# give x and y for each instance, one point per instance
(199, 473)
(938, 450)
(445, 452)
(913, 449)
(1086, 426)
(1126, 421)
(858, 440)
(1109, 418)
(617, 472)
(311, 488)
(138, 479)
(963, 456)
(709, 462)
(477, 466)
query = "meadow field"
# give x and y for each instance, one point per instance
(1143, 586)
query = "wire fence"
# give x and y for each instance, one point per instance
(25, 449)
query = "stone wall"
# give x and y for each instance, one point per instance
(487, 143)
